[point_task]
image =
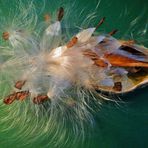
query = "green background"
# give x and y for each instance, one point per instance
(123, 125)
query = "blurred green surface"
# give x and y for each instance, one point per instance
(123, 125)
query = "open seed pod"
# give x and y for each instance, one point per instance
(126, 66)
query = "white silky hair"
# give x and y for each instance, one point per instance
(49, 68)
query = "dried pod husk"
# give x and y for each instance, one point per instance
(128, 67)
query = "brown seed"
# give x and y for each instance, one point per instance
(72, 42)
(100, 22)
(10, 99)
(40, 99)
(117, 86)
(22, 95)
(60, 13)
(94, 57)
(20, 84)
(6, 35)
(101, 63)
(47, 17)
(113, 32)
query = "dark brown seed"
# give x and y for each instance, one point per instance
(100, 22)
(113, 32)
(60, 13)
(10, 99)
(117, 86)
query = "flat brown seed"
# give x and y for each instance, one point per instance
(117, 86)
(60, 13)
(10, 99)
(72, 42)
(5, 35)
(113, 32)
(94, 57)
(22, 95)
(100, 22)
(20, 84)
(40, 99)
